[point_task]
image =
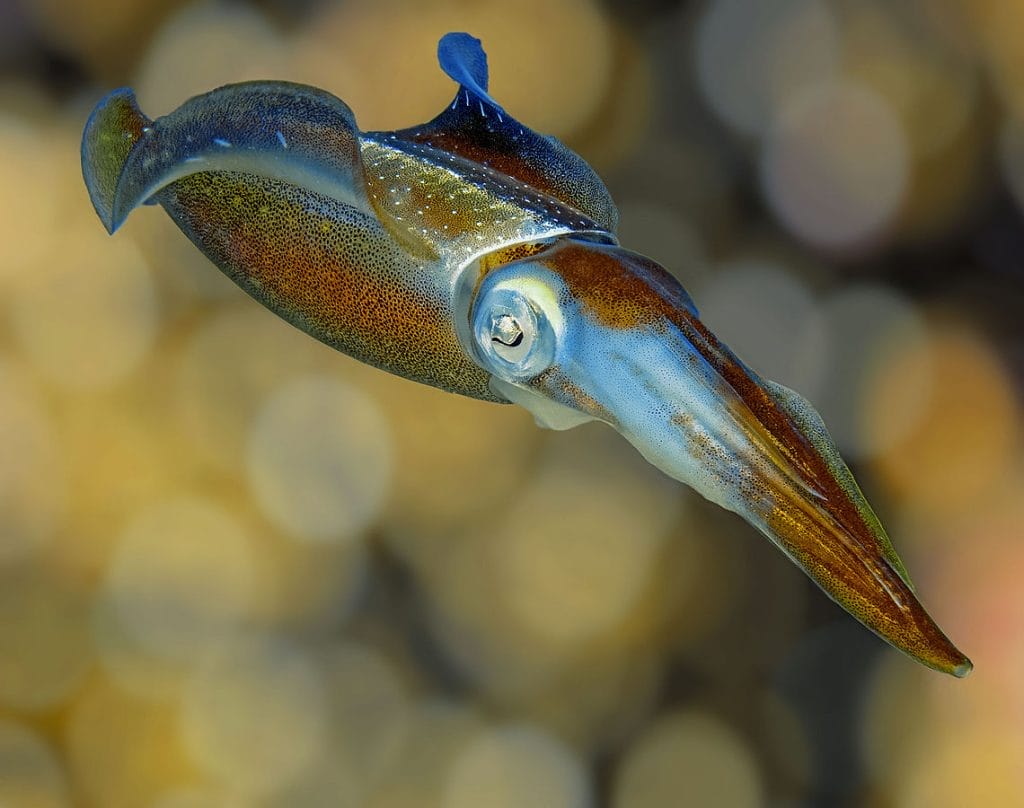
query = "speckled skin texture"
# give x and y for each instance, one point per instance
(329, 269)
(412, 250)
(453, 211)
(111, 133)
(363, 240)
(479, 132)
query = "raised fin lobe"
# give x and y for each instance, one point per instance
(113, 129)
(462, 57)
(286, 131)
(475, 127)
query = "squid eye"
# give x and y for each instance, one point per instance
(513, 336)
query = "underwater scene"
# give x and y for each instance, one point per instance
(617, 317)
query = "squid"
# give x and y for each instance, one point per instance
(475, 255)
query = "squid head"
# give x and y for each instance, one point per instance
(475, 255)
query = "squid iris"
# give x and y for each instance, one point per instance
(475, 255)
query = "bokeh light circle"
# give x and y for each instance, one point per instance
(692, 754)
(969, 431)
(751, 56)
(182, 577)
(661, 233)
(88, 315)
(46, 647)
(319, 459)
(439, 730)
(29, 209)
(867, 324)
(836, 165)
(32, 488)
(370, 709)
(770, 319)
(123, 749)
(30, 772)
(206, 45)
(253, 714)
(576, 551)
(236, 357)
(513, 766)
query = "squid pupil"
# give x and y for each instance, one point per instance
(506, 331)
(515, 340)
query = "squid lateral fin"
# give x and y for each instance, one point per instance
(113, 129)
(477, 128)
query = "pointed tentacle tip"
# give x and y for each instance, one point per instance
(962, 669)
(942, 656)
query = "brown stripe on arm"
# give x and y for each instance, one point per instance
(623, 290)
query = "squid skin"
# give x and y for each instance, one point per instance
(475, 255)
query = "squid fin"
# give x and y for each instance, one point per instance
(113, 129)
(475, 127)
(279, 130)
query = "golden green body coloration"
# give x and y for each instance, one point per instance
(477, 256)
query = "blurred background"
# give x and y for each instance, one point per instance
(239, 569)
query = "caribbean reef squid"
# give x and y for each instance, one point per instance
(475, 255)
